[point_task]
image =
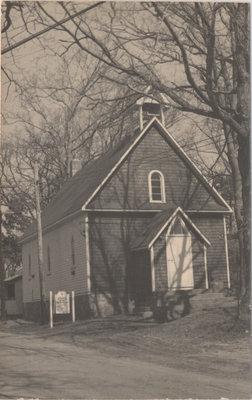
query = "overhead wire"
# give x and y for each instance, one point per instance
(45, 30)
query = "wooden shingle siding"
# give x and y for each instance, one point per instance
(128, 187)
(137, 224)
(60, 276)
(198, 263)
(160, 264)
(108, 257)
(212, 227)
(103, 220)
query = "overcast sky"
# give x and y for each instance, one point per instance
(36, 56)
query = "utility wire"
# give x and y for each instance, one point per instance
(35, 35)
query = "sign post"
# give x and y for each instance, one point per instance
(61, 304)
(51, 309)
(73, 307)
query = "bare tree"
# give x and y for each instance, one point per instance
(207, 43)
(210, 41)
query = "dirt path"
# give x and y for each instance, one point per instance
(47, 367)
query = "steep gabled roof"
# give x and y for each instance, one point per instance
(181, 153)
(79, 190)
(159, 223)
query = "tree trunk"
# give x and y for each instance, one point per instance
(244, 166)
(241, 47)
(232, 153)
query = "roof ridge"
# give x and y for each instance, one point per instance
(89, 176)
(79, 190)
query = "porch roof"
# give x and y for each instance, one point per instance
(157, 226)
(13, 277)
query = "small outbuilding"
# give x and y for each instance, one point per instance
(14, 295)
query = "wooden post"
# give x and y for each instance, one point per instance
(73, 306)
(51, 309)
(87, 254)
(205, 266)
(153, 283)
(40, 245)
(226, 251)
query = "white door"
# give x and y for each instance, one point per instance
(179, 262)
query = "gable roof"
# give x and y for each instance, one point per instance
(158, 224)
(79, 190)
(177, 148)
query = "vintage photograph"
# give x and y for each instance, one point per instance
(125, 200)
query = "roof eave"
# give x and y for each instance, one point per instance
(47, 228)
(118, 163)
(215, 193)
(178, 209)
(194, 166)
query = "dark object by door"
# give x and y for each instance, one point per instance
(141, 279)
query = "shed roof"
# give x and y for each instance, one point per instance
(13, 277)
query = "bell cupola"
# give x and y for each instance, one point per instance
(148, 109)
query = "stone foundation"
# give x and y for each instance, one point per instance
(32, 311)
(102, 305)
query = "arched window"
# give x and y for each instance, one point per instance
(156, 187)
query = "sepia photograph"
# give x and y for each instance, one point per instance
(125, 209)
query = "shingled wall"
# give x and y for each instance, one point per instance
(160, 262)
(212, 227)
(128, 187)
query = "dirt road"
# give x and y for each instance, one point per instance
(43, 367)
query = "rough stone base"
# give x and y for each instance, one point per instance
(102, 305)
(32, 311)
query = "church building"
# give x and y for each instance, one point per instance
(132, 225)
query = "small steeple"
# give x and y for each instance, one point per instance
(148, 109)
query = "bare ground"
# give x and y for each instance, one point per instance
(203, 355)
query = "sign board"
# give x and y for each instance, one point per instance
(62, 303)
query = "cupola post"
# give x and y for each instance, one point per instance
(148, 109)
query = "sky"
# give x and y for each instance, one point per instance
(31, 59)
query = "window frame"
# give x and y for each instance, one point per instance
(162, 187)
